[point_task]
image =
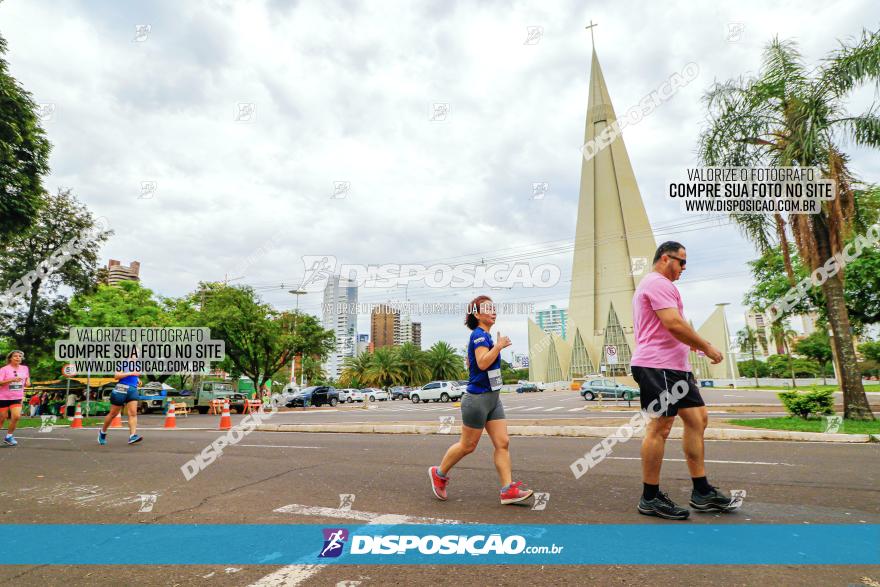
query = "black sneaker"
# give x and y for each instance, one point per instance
(662, 507)
(715, 500)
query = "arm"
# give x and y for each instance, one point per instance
(486, 356)
(684, 332)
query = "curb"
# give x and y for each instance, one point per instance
(571, 431)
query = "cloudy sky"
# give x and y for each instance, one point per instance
(144, 112)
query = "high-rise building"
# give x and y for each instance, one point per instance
(116, 272)
(552, 320)
(340, 316)
(404, 330)
(766, 347)
(417, 334)
(384, 326)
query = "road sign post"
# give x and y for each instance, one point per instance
(611, 358)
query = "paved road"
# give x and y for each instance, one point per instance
(65, 477)
(529, 406)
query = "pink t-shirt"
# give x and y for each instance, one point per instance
(13, 390)
(655, 346)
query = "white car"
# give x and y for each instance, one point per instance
(350, 395)
(439, 391)
(372, 394)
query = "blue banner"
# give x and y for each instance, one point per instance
(283, 544)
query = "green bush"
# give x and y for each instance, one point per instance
(804, 404)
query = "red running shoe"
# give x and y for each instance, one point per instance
(438, 483)
(515, 493)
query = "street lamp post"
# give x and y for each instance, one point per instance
(297, 293)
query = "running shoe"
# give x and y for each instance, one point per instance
(662, 507)
(516, 492)
(715, 500)
(10, 440)
(102, 437)
(438, 483)
(134, 438)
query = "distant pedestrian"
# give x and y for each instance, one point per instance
(14, 377)
(34, 404)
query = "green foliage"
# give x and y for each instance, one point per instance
(804, 404)
(749, 368)
(24, 155)
(403, 365)
(126, 304)
(870, 350)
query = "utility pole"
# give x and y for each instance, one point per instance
(297, 293)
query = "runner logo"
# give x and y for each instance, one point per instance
(334, 540)
(318, 269)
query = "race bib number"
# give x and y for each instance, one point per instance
(495, 379)
(121, 388)
(16, 386)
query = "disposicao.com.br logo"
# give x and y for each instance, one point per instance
(451, 544)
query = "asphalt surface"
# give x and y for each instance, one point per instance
(560, 405)
(63, 476)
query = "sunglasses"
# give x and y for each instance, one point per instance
(681, 261)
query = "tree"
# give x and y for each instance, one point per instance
(385, 368)
(871, 350)
(817, 347)
(444, 362)
(753, 368)
(783, 336)
(354, 370)
(60, 249)
(259, 340)
(747, 339)
(413, 363)
(791, 116)
(24, 155)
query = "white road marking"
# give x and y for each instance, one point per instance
(554, 409)
(277, 446)
(580, 409)
(708, 461)
(293, 575)
(17, 437)
(533, 409)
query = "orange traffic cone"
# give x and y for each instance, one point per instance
(170, 418)
(225, 419)
(117, 421)
(77, 418)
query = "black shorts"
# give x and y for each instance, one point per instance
(9, 403)
(653, 383)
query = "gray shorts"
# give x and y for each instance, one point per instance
(479, 408)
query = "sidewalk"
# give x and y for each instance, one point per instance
(578, 428)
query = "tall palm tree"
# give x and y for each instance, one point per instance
(444, 362)
(414, 364)
(747, 339)
(783, 336)
(385, 369)
(792, 116)
(354, 370)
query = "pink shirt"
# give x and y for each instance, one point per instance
(655, 346)
(13, 390)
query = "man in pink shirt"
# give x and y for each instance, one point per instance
(13, 378)
(663, 340)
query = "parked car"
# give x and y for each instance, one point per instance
(528, 388)
(539, 384)
(400, 392)
(374, 394)
(438, 391)
(607, 388)
(316, 395)
(350, 395)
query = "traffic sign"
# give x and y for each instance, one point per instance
(69, 370)
(611, 354)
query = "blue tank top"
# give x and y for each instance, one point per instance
(480, 381)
